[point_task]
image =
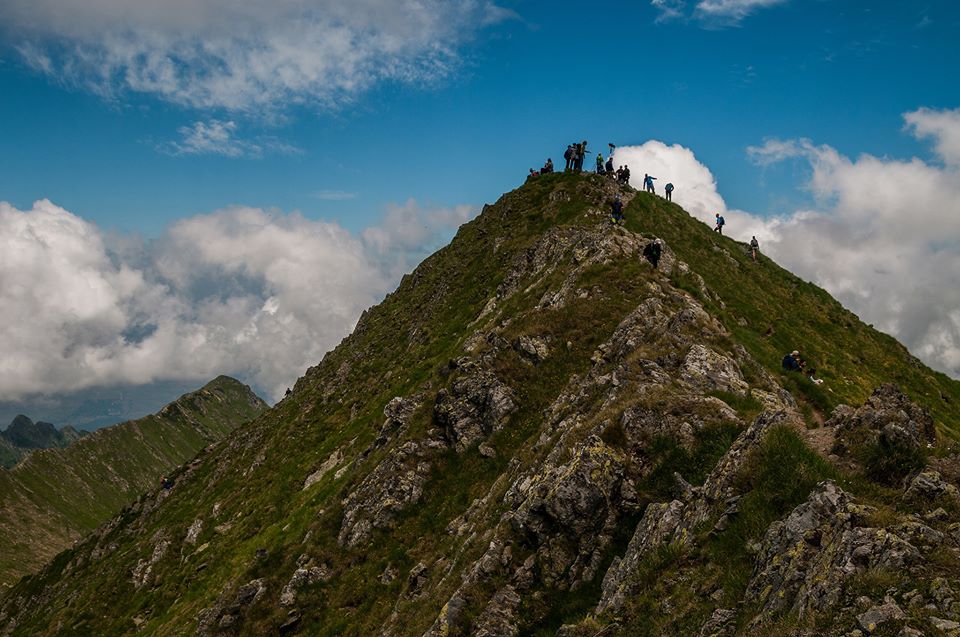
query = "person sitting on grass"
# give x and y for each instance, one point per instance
(791, 362)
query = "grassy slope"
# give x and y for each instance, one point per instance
(399, 348)
(57, 495)
(771, 312)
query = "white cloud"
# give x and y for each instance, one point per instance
(883, 235)
(244, 56)
(244, 291)
(696, 188)
(711, 12)
(216, 137)
(942, 126)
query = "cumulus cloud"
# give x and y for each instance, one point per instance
(941, 126)
(256, 293)
(882, 234)
(711, 12)
(244, 56)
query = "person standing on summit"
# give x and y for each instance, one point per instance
(720, 222)
(568, 155)
(669, 190)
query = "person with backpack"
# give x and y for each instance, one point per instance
(669, 190)
(599, 164)
(568, 156)
(626, 175)
(791, 362)
(609, 165)
(616, 211)
(754, 248)
(652, 251)
(720, 223)
(579, 152)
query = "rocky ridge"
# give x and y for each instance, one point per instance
(539, 434)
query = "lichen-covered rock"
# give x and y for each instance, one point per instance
(663, 523)
(302, 577)
(568, 511)
(498, 619)
(720, 623)
(533, 348)
(882, 615)
(888, 414)
(225, 614)
(929, 486)
(707, 369)
(805, 559)
(396, 483)
(476, 405)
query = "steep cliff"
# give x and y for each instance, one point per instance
(539, 433)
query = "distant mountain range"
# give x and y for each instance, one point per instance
(23, 436)
(69, 482)
(97, 407)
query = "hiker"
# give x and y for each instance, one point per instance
(581, 154)
(166, 482)
(652, 252)
(648, 183)
(599, 164)
(616, 211)
(547, 167)
(609, 165)
(626, 175)
(720, 223)
(669, 190)
(568, 156)
(533, 173)
(754, 248)
(791, 362)
(289, 391)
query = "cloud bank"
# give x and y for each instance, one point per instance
(255, 293)
(244, 56)
(883, 236)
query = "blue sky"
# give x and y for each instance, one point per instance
(837, 72)
(350, 122)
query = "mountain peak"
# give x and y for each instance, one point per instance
(540, 432)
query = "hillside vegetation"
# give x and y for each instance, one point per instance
(539, 434)
(57, 495)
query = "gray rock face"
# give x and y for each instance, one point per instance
(878, 616)
(568, 512)
(889, 415)
(708, 370)
(929, 486)
(805, 559)
(228, 612)
(476, 405)
(498, 618)
(720, 624)
(663, 523)
(302, 577)
(396, 483)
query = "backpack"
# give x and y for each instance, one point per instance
(720, 221)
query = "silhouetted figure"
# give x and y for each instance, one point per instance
(720, 222)
(754, 248)
(616, 211)
(568, 155)
(669, 190)
(652, 252)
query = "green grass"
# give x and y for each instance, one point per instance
(403, 347)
